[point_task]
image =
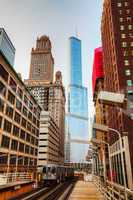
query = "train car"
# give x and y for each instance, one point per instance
(56, 173)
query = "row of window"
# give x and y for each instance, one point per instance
(5, 75)
(19, 132)
(122, 27)
(128, 19)
(18, 146)
(21, 160)
(120, 4)
(10, 111)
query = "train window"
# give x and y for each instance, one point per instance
(53, 170)
(44, 169)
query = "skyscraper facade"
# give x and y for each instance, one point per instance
(75, 61)
(117, 42)
(42, 62)
(19, 120)
(50, 96)
(77, 116)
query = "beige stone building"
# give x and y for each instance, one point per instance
(49, 94)
(48, 141)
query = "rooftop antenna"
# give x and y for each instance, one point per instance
(76, 31)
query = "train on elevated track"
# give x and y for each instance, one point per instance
(52, 173)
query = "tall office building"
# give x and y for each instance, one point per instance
(117, 41)
(19, 119)
(42, 62)
(77, 116)
(50, 96)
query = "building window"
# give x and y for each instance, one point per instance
(130, 27)
(128, 11)
(122, 27)
(17, 118)
(5, 142)
(32, 140)
(128, 72)
(18, 105)
(7, 126)
(15, 131)
(119, 4)
(1, 121)
(26, 160)
(120, 12)
(125, 53)
(2, 89)
(126, 62)
(130, 104)
(12, 159)
(123, 35)
(3, 158)
(129, 19)
(121, 19)
(20, 160)
(126, 3)
(27, 149)
(23, 123)
(1, 105)
(22, 134)
(124, 44)
(29, 126)
(30, 116)
(32, 151)
(131, 35)
(30, 105)
(21, 147)
(20, 93)
(14, 145)
(25, 111)
(11, 97)
(131, 44)
(9, 111)
(129, 83)
(26, 100)
(131, 115)
(3, 73)
(28, 137)
(13, 84)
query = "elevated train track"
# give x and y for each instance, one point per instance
(60, 191)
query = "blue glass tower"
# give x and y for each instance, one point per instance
(75, 61)
(77, 116)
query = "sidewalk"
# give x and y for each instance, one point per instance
(85, 191)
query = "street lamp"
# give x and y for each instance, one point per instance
(105, 128)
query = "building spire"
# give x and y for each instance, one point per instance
(76, 31)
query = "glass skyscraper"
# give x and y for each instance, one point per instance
(77, 116)
(75, 61)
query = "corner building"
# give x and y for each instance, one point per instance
(117, 41)
(19, 119)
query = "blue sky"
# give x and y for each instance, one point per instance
(24, 20)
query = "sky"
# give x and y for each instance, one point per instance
(25, 20)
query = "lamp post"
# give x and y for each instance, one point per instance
(105, 128)
(98, 142)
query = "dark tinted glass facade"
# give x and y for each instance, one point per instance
(6, 47)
